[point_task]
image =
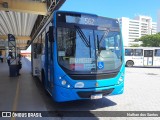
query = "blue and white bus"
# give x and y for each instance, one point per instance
(79, 56)
(142, 56)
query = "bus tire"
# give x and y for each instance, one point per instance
(129, 63)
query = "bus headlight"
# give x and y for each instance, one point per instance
(66, 84)
(63, 82)
(121, 78)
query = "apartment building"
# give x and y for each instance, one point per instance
(158, 22)
(133, 29)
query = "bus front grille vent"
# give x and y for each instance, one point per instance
(87, 94)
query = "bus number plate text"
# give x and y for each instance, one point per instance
(96, 96)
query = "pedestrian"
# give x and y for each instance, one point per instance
(2, 58)
(8, 60)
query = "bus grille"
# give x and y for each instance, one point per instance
(92, 76)
(87, 94)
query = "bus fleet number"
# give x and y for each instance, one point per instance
(89, 21)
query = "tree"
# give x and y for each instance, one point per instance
(150, 40)
(135, 45)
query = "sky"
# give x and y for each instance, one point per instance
(114, 8)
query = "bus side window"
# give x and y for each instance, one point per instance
(34, 50)
(39, 48)
(138, 52)
(128, 52)
(157, 53)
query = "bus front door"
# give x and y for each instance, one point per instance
(49, 64)
(148, 58)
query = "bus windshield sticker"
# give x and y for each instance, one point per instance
(89, 66)
(80, 60)
(76, 66)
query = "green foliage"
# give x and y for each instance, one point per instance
(150, 40)
(136, 40)
(135, 45)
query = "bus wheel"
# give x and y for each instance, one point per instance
(129, 63)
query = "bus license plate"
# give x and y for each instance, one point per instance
(96, 96)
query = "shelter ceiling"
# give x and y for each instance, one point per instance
(18, 17)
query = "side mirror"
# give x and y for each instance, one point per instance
(51, 34)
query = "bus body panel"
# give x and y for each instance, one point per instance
(138, 60)
(156, 61)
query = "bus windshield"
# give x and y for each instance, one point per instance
(93, 52)
(89, 49)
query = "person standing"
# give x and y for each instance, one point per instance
(8, 60)
(2, 58)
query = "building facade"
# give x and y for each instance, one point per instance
(133, 29)
(158, 21)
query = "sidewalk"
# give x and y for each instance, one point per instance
(19, 93)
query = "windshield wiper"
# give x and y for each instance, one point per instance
(100, 40)
(98, 47)
(104, 35)
(82, 36)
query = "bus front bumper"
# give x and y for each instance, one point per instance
(63, 94)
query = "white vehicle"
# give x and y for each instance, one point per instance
(142, 56)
